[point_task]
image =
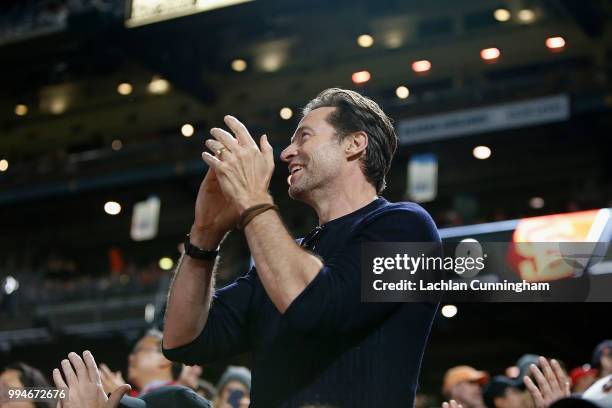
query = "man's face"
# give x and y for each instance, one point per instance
(145, 361)
(190, 376)
(314, 156)
(467, 393)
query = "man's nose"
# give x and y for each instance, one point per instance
(288, 153)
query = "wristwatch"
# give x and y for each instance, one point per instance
(199, 253)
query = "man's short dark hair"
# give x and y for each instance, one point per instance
(355, 112)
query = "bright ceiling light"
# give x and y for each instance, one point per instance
(449, 311)
(158, 86)
(124, 88)
(526, 15)
(421, 66)
(361, 77)
(502, 15)
(239, 65)
(555, 43)
(187, 130)
(402, 92)
(481, 152)
(21, 109)
(166, 263)
(4, 165)
(286, 113)
(365, 40)
(116, 145)
(112, 208)
(490, 54)
(536, 202)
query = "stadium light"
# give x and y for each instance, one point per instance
(365, 40)
(402, 92)
(481, 152)
(502, 15)
(4, 165)
(490, 54)
(526, 15)
(239, 65)
(124, 88)
(536, 203)
(421, 66)
(286, 113)
(116, 145)
(10, 285)
(158, 86)
(187, 130)
(21, 109)
(166, 263)
(555, 43)
(361, 77)
(449, 311)
(112, 207)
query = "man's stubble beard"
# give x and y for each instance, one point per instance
(317, 174)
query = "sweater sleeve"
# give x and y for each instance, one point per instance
(226, 332)
(331, 303)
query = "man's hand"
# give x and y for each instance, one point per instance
(110, 380)
(552, 382)
(451, 404)
(84, 384)
(243, 169)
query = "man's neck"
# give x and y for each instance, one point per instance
(343, 202)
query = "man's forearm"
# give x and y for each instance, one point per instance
(283, 267)
(190, 294)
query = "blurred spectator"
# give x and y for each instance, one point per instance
(602, 358)
(463, 384)
(598, 395)
(234, 388)
(20, 375)
(582, 378)
(504, 392)
(206, 390)
(148, 369)
(190, 376)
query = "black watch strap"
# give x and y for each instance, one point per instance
(199, 253)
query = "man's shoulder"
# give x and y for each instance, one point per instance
(403, 220)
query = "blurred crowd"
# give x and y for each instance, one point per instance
(20, 19)
(153, 381)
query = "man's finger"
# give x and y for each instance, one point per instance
(105, 371)
(445, 405)
(79, 366)
(551, 379)
(543, 384)
(58, 380)
(71, 377)
(116, 396)
(225, 138)
(211, 160)
(267, 150)
(534, 391)
(241, 132)
(564, 382)
(92, 368)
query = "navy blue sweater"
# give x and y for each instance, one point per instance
(328, 348)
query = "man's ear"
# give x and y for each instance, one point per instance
(355, 144)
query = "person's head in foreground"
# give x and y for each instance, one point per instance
(233, 388)
(464, 385)
(147, 366)
(602, 358)
(343, 144)
(19, 376)
(504, 392)
(583, 377)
